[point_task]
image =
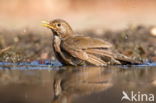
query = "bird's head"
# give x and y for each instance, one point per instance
(59, 27)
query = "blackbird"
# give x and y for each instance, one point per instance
(76, 50)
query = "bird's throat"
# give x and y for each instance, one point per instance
(57, 39)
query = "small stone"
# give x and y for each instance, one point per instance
(44, 55)
(16, 39)
(153, 59)
(153, 31)
(154, 82)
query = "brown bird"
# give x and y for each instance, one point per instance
(71, 49)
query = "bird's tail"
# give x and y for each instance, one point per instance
(126, 60)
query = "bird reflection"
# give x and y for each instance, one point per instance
(75, 81)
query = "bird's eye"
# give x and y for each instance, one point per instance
(58, 25)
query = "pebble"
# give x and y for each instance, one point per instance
(153, 31)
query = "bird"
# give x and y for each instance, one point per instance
(77, 50)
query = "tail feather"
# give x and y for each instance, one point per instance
(126, 60)
(112, 57)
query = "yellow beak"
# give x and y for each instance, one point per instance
(46, 24)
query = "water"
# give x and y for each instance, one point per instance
(49, 82)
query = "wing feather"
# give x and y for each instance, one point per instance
(77, 45)
(83, 42)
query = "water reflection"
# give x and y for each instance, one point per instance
(80, 81)
(73, 84)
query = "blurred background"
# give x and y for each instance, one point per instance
(82, 14)
(120, 22)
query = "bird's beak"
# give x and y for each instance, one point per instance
(46, 24)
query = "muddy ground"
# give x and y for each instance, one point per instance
(25, 45)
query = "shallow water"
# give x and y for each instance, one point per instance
(49, 82)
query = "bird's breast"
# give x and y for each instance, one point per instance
(57, 49)
(56, 44)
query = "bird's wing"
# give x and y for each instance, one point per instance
(77, 46)
(91, 49)
(83, 42)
